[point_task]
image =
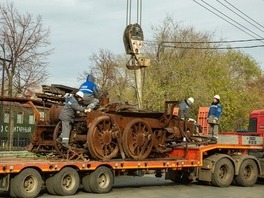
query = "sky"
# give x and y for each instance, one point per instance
(80, 28)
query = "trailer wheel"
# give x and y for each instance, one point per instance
(101, 180)
(50, 185)
(223, 173)
(66, 182)
(26, 184)
(137, 139)
(248, 173)
(86, 183)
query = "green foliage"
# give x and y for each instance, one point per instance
(179, 72)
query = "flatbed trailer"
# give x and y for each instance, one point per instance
(236, 158)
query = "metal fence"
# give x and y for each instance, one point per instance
(19, 142)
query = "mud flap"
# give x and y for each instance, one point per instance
(4, 182)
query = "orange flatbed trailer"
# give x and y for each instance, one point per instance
(235, 158)
(184, 163)
(184, 156)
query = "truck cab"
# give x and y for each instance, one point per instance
(256, 122)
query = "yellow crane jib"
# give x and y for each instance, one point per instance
(133, 41)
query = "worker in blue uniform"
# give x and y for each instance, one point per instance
(214, 116)
(90, 91)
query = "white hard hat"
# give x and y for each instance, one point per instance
(191, 100)
(217, 97)
(80, 94)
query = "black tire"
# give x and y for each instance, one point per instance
(248, 173)
(50, 185)
(26, 184)
(86, 183)
(223, 173)
(11, 188)
(101, 180)
(66, 182)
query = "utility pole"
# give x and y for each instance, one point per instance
(2, 112)
(3, 74)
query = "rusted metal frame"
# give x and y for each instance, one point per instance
(167, 120)
(113, 120)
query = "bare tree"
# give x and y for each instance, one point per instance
(112, 76)
(24, 41)
(23, 50)
(103, 68)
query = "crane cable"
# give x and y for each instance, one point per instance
(139, 77)
(139, 12)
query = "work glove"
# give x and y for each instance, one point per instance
(88, 110)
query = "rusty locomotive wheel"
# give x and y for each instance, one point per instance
(102, 138)
(159, 141)
(57, 145)
(137, 139)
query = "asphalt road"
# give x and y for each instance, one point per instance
(151, 187)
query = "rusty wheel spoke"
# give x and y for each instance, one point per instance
(137, 139)
(58, 146)
(101, 142)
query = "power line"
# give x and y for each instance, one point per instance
(244, 14)
(231, 41)
(224, 19)
(163, 45)
(227, 20)
(240, 15)
(231, 19)
(216, 48)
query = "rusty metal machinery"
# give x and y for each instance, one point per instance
(114, 131)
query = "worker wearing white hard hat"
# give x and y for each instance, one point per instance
(67, 115)
(79, 94)
(184, 111)
(184, 108)
(190, 100)
(214, 116)
(217, 97)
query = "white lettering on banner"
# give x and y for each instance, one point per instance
(4, 129)
(23, 129)
(17, 129)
